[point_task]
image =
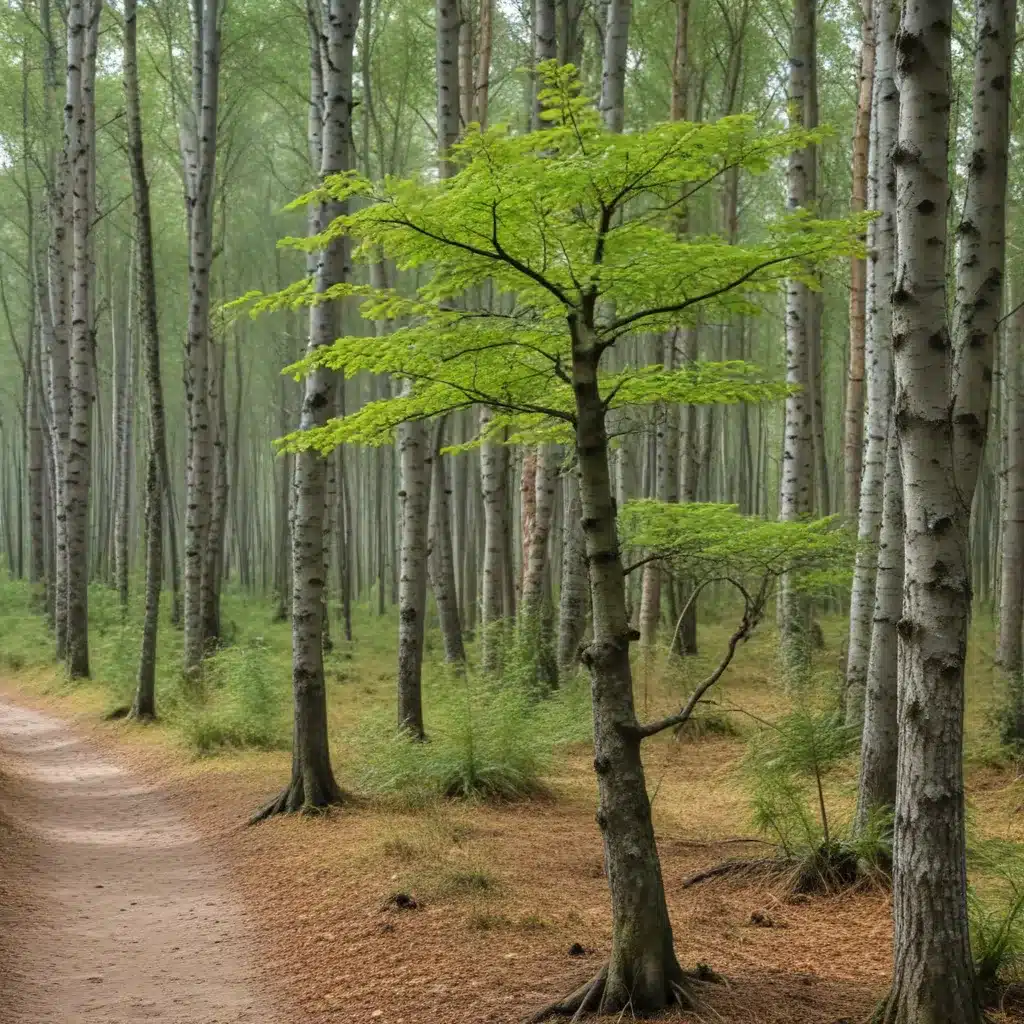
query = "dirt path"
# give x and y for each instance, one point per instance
(111, 912)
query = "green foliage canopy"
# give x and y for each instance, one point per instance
(540, 239)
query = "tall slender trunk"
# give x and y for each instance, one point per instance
(876, 789)
(643, 969)
(796, 496)
(574, 596)
(55, 312)
(942, 435)
(482, 81)
(213, 559)
(199, 159)
(125, 448)
(414, 495)
(853, 419)
(442, 560)
(83, 29)
(545, 47)
(1011, 600)
(535, 608)
(494, 485)
(144, 705)
(882, 247)
(333, 25)
(613, 75)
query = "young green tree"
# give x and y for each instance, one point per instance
(570, 222)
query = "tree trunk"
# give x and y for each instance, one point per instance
(442, 561)
(199, 153)
(333, 26)
(414, 495)
(853, 419)
(482, 82)
(933, 976)
(447, 66)
(83, 29)
(144, 704)
(876, 790)
(796, 497)
(125, 448)
(643, 973)
(613, 75)
(494, 485)
(535, 609)
(1011, 601)
(574, 596)
(882, 247)
(545, 47)
(213, 563)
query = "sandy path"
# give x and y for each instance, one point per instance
(113, 912)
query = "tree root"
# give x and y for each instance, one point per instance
(292, 800)
(591, 997)
(769, 865)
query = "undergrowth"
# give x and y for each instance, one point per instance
(485, 741)
(237, 705)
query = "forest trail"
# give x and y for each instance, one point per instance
(111, 911)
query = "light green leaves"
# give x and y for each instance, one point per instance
(549, 243)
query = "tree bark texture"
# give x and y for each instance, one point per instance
(933, 978)
(312, 784)
(876, 789)
(643, 969)
(882, 252)
(1011, 600)
(442, 559)
(853, 419)
(144, 704)
(83, 30)
(199, 160)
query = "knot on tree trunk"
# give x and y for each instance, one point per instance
(603, 654)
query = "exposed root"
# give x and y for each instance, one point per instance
(143, 717)
(292, 800)
(593, 997)
(767, 865)
(577, 1003)
(824, 870)
(115, 714)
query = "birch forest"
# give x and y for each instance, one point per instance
(511, 511)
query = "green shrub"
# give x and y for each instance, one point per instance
(485, 741)
(997, 941)
(238, 706)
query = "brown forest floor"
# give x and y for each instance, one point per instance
(505, 891)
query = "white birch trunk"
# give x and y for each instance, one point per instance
(933, 977)
(1011, 601)
(83, 28)
(796, 497)
(882, 249)
(199, 157)
(493, 480)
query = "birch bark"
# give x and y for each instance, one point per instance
(312, 785)
(199, 159)
(83, 29)
(941, 434)
(882, 248)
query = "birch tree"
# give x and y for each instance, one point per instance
(312, 783)
(796, 498)
(941, 414)
(878, 574)
(83, 32)
(878, 357)
(199, 163)
(144, 704)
